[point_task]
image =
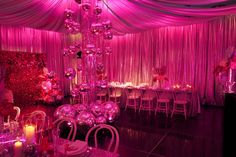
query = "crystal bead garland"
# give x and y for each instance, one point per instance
(91, 23)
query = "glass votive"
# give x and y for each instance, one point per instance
(18, 149)
(29, 132)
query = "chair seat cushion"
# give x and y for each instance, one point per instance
(163, 100)
(180, 101)
(115, 95)
(102, 94)
(148, 98)
(133, 97)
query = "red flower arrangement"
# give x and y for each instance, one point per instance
(222, 67)
(159, 74)
(226, 64)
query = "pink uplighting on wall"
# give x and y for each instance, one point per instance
(168, 33)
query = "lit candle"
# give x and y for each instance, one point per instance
(17, 149)
(29, 131)
(177, 86)
(188, 86)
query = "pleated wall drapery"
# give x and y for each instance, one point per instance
(20, 39)
(190, 54)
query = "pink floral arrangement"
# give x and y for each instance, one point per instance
(159, 74)
(50, 88)
(222, 67)
(226, 64)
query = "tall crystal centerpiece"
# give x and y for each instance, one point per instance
(92, 31)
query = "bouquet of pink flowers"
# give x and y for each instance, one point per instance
(50, 88)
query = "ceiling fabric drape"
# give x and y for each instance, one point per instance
(127, 16)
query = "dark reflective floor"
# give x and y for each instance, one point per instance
(144, 135)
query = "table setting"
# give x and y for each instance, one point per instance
(24, 141)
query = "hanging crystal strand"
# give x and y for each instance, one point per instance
(88, 48)
(93, 32)
(95, 14)
(82, 19)
(82, 46)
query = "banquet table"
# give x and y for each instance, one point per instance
(93, 152)
(7, 149)
(96, 152)
(195, 105)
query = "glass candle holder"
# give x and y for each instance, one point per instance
(29, 132)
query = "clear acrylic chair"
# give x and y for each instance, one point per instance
(16, 118)
(36, 118)
(12, 123)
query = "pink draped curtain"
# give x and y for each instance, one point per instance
(21, 39)
(190, 54)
